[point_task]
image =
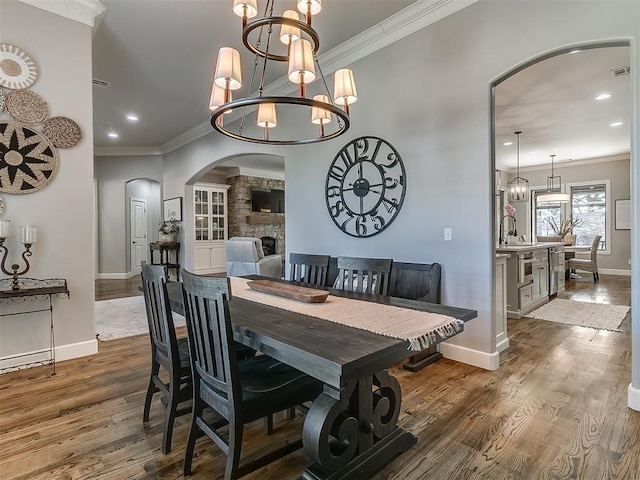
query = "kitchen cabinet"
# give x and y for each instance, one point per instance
(500, 301)
(527, 276)
(209, 257)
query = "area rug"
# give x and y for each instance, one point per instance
(583, 314)
(124, 317)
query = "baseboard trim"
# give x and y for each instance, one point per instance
(488, 361)
(614, 271)
(76, 350)
(502, 345)
(634, 398)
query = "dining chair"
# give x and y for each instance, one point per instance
(167, 352)
(308, 268)
(364, 275)
(587, 264)
(239, 392)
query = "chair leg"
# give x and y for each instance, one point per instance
(268, 424)
(233, 455)
(194, 432)
(151, 389)
(172, 407)
(291, 413)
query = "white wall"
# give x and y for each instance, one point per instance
(112, 174)
(62, 211)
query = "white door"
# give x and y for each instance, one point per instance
(138, 234)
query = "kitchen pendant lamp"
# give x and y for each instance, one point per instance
(274, 40)
(553, 194)
(518, 188)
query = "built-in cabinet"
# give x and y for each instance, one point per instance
(210, 227)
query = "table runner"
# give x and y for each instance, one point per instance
(420, 329)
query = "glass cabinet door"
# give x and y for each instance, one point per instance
(210, 208)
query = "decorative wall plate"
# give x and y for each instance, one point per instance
(17, 69)
(62, 131)
(28, 161)
(27, 107)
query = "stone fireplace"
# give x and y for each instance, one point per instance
(245, 223)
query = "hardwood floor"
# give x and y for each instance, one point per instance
(556, 409)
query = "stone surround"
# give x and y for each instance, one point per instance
(239, 211)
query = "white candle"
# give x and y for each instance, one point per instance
(27, 234)
(5, 227)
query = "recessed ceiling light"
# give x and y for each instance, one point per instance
(616, 124)
(113, 134)
(506, 144)
(574, 51)
(603, 96)
(132, 117)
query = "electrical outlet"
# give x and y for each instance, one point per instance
(448, 234)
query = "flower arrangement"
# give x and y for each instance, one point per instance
(510, 211)
(566, 226)
(168, 227)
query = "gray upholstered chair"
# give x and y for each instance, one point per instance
(246, 257)
(587, 264)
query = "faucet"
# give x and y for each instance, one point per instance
(515, 232)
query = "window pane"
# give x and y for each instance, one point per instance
(589, 205)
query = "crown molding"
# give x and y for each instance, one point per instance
(126, 151)
(407, 21)
(570, 163)
(88, 12)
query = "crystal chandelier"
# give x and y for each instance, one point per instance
(518, 187)
(277, 39)
(553, 194)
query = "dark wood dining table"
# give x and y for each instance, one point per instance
(351, 429)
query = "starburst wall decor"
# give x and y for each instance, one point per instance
(28, 155)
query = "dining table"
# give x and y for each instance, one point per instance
(350, 430)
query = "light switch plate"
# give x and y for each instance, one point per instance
(448, 234)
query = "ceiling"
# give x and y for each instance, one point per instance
(159, 57)
(163, 74)
(553, 103)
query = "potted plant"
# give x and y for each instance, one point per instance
(168, 231)
(565, 228)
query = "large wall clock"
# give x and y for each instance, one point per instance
(365, 186)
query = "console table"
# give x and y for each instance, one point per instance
(164, 248)
(34, 290)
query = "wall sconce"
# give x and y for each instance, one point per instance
(28, 238)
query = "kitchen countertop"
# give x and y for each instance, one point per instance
(523, 247)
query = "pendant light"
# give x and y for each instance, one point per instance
(553, 193)
(518, 188)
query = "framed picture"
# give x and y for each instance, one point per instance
(623, 215)
(172, 209)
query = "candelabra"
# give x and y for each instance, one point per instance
(28, 238)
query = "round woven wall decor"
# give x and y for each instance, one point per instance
(62, 131)
(28, 161)
(27, 107)
(17, 69)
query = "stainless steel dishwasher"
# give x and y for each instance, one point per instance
(556, 269)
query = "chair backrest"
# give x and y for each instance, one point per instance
(364, 275)
(594, 248)
(161, 329)
(553, 238)
(211, 344)
(308, 268)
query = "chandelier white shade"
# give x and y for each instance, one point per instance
(274, 39)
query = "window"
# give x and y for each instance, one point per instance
(589, 204)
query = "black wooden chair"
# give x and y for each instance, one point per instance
(239, 392)
(167, 351)
(309, 269)
(364, 275)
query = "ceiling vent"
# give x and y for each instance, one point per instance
(100, 83)
(620, 72)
